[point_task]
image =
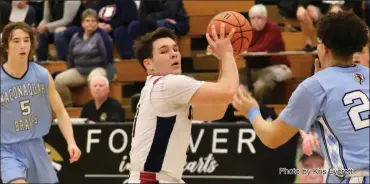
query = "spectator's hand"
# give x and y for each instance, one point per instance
(22, 4)
(313, 11)
(42, 28)
(108, 28)
(220, 47)
(101, 25)
(309, 143)
(301, 13)
(171, 21)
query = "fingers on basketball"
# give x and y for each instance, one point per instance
(240, 37)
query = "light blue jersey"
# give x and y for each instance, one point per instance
(336, 102)
(25, 107)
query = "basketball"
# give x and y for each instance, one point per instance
(243, 30)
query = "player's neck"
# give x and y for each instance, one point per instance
(15, 66)
(337, 62)
(99, 102)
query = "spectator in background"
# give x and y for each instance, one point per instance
(17, 11)
(89, 54)
(161, 13)
(266, 71)
(102, 108)
(115, 17)
(57, 16)
(308, 13)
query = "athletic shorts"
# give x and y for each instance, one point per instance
(26, 160)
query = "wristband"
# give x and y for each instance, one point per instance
(253, 113)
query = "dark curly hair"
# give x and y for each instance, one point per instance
(144, 45)
(343, 33)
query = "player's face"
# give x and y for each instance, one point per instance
(19, 44)
(166, 57)
(90, 24)
(99, 89)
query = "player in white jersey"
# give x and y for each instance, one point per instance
(169, 101)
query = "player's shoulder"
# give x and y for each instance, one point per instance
(311, 84)
(177, 80)
(38, 67)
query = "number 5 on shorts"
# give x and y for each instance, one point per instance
(354, 112)
(25, 107)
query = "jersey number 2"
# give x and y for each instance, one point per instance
(25, 107)
(354, 112)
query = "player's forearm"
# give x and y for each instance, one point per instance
(65, 127)
(265, 131)
(229, 76)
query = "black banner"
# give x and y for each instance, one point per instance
(218, 153)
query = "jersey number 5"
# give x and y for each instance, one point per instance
(354, 112)
(25, 107)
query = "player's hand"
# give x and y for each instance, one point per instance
(317, 65)
(243, 101)
(74, 153)
(220, 45)
(309, 143)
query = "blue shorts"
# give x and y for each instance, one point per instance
(27, 160)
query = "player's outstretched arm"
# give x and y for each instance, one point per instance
(301, 112)
(64, 122)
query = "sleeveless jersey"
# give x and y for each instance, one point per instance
(25, 107)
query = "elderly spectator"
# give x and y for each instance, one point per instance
(89, 54)
(57, 16)
(102, 108)
(266, 71)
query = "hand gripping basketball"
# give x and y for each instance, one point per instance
(220, 46)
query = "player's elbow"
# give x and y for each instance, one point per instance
(272, 143)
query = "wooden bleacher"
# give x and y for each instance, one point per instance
(200, 13)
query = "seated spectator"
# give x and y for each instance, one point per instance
(266, 71)
(102, 108)
(17, 11)
(58, 15)
(90, 54)
(115, 17)
(308, 13)
(161, 13)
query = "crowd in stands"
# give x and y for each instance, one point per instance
(86, 32)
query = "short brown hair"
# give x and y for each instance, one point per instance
(7, 36)
(89, 13)
(144, 45)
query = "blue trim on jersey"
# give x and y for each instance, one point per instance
(20, 78)
(340, 145)
(164, 127)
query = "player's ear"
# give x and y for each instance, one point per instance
(148, 63)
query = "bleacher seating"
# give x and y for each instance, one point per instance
(205, 67)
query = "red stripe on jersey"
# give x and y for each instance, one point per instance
(156, 80)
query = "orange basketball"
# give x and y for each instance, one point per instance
(243, 30)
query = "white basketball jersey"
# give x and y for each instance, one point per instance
(162, 127)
